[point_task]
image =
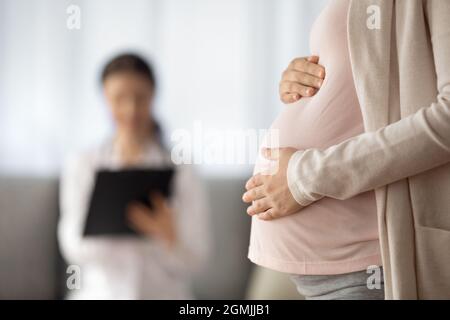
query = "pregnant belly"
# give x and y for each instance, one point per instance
(330, 117)
(328, 229)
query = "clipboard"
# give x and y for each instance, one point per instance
(114, 190)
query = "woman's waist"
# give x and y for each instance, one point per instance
(324, 226)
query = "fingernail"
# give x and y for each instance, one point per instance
(319, 83)
(309, 92)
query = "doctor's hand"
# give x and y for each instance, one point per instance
(302, 78)
(269, 193)
(157, 222)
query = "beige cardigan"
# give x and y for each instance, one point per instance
(402, 76)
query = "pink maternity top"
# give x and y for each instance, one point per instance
(329, 236)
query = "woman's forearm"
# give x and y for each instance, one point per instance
(403, 149)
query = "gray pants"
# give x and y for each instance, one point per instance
(348, 286)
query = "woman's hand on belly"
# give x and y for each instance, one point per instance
(302, 78)
(269, 192)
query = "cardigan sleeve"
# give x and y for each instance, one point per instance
(402, 149)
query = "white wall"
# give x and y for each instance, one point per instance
(218, 62)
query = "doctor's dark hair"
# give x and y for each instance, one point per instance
(130, 62)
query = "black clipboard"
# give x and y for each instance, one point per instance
(114, 190)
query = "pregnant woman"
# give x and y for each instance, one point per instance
(364, 165)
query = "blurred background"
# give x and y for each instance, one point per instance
(217, 62)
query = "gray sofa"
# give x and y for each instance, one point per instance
(31, 266)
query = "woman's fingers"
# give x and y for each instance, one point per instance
(140, 219)
(156, 199)
(253, 194)
(308, 66)
(313, 59)
(290, 97)
(302, 78)
(139, 209)
(159, 203)
(291, 87)
(255, 181)
(266, 215)
(258, 207)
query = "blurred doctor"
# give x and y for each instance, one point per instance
(175, 243)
